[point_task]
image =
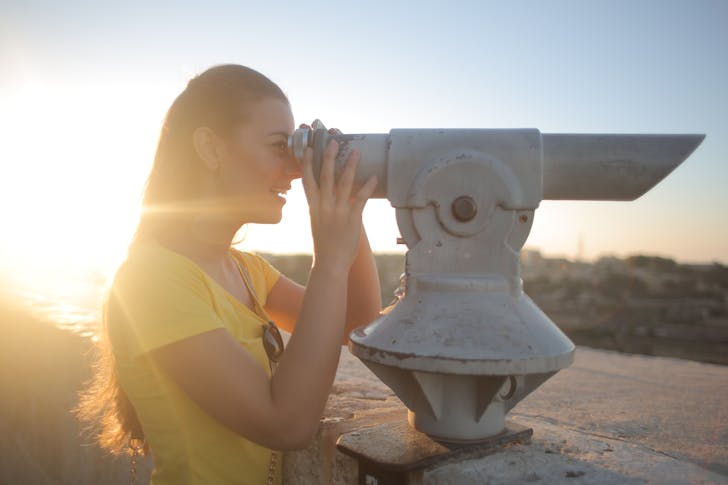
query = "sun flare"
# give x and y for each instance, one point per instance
(74, 167)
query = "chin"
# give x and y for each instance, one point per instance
(269, 218)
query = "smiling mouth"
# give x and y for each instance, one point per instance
(280, 191)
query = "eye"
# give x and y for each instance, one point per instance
(281, 145)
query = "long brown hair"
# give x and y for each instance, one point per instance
(219, 99)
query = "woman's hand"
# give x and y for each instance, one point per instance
(336, 213)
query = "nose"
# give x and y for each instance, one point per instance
(292, 167)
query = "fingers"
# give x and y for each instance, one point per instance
(329, 191)
(365, 192)
(346, 180)
(326, 176)
(332, 131)
(310, 187)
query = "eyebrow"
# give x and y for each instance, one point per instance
(275, 133)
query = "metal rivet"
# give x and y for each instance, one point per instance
(464, 208)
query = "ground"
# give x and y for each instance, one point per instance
(609, 418)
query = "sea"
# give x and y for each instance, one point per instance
(73, 304)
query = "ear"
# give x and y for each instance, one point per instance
(209, 147)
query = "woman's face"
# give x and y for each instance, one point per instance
(256, 170)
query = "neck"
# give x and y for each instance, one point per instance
(206, 241)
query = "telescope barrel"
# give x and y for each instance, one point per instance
(610, 167)
(618, 167)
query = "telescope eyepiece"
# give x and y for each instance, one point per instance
(304, 137)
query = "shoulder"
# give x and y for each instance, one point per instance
(152, 261)
(254, 262)
(263, 274)
(157, 297)
(153, 272)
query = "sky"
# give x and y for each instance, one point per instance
(84, 86)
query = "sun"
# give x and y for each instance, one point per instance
(75, 158)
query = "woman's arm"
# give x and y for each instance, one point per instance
(284, 303)
(226, 382)
(363, 301)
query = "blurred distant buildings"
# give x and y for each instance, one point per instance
(640, 304)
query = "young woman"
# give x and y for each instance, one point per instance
(191, 362)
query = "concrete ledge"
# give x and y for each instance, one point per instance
(610, 418)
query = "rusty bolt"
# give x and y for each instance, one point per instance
(464, 208)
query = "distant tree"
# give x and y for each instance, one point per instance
(540, 285)
(571, 288)
(683, 287)
(620, 285)
(297, 267)
(717, 275)
(652, 262)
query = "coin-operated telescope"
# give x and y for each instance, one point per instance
(465, 344)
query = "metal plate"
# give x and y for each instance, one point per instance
(397, 447)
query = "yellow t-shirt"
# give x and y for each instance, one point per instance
(159, 297)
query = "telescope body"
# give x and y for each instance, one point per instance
(464, 343)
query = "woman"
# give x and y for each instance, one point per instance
(189, 360)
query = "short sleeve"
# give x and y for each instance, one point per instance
(263, 275)
(157, 299)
